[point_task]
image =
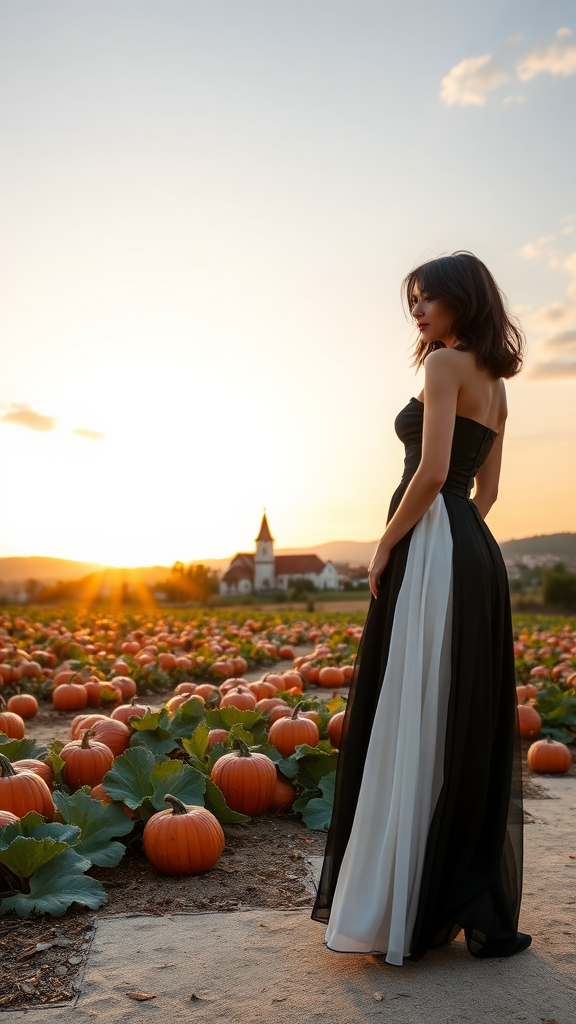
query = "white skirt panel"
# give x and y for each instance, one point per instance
(376, 895)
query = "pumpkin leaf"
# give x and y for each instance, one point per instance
(35, 826)
(185, 719)
(557, 734)
(316, 808)
(98, 823)
(178, 779)
(57, 765)
(271, 751)
(226, 717)
(238, 730)
(152, 731)
(19, 750)
(25, 855)
(215, 802)
(198, 742)
(218, 750)
(55, 886)
(129, 777)
(313, 764)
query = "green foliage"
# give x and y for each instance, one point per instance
(98, 823)
(559, 586)
(316, 806)
(557, 708)
(19, 750)
(42, 870)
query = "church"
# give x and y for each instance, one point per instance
(263, 572)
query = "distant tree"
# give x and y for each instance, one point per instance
(192, 583)
(559, 586)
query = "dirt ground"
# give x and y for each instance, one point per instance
(264, 865)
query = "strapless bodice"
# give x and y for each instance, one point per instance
(471, 446)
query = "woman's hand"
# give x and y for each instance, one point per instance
(376, 568)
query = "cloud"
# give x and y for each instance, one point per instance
(516, 99)
(92, 435)
(469, 82)
(556, 59)
(564, 33)
(533, 249)
(562, 348)
(24, 416)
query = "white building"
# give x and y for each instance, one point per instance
(263, 572)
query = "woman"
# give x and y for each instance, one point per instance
(426, 832)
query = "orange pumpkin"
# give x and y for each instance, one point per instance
(7, 818)
(334, 729)
(284, 795)
(529, 720)
(292, 681)
(217, 736)
(262, 688)
(174, 703)
(288, 733)
(83, 722)
(244, 701)
(547, 757)
(311, 673)
(126, 685)
(23, 704)
(183, 840)
(69, 697)
(24, 791)
(113, 734)
(38, 767)
(286, 652)
(186, 687)
(127, 711)
(247, 779)
(331, 677)
(207, 691)
(87, 761)
(11, 724)
(265, 705)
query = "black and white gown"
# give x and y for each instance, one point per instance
(426, 832)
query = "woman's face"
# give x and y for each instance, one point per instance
(433, 317)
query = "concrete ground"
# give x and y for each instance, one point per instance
(253, 967)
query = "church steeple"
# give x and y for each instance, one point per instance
(264, 530)
(264, 561)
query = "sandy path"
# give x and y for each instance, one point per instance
(254, 966)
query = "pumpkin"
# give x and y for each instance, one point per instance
(529, 720)
(174, 703)
(87, 761)
(69, 697)
(292, 681)
(547, 757)
(7, 818)
(11, 724)
(247, 779)
(233, 684)
(65, 676)
(310, 672)
(262, 688)
(265, 705)
(334, 729)
(217, 736)
(23, 791)
(287, 733)
(126, 685)
(127, 711)
(284, 795)
(38, 767)
(99, 793)
(23, 704)
(209, 692)
(102, 694)
(167, 662)
(83, 722)
(280, 711)
(183, 840)
(113, 734)
(348, 672)
(286, 652)
(186, 687)
(331, 677)
(239, 699)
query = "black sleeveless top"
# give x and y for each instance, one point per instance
(471, 445)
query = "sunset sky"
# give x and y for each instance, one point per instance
(207, 208)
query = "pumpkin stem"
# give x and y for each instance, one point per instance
(241, 747)
(86, 738)
(6, 767)
(177, 806)
(297, 709)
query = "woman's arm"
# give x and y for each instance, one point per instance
(488, 476)
(440, 397)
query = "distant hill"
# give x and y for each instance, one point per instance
(561, 545)
(53, 570)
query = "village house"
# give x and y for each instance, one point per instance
(263, 572)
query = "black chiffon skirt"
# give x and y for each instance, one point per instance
(472, 865)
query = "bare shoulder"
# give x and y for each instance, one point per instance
(443, 360)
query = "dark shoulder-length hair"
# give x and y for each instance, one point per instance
(482, 322)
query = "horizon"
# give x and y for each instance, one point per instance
(207, 213)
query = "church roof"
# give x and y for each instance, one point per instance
(264, 530)
(296, 565)
(237, 572)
